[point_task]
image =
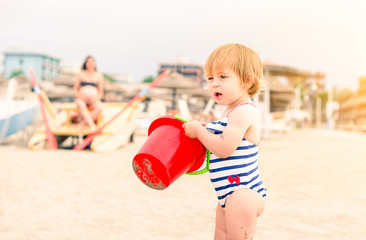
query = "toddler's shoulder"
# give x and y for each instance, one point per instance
(246, 108)
(247, 112)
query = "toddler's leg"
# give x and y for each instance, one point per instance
(220, 227)
(241, 212)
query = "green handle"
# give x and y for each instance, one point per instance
(206, 169)
(208, 154)
(180, 118)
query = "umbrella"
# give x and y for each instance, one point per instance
(178, 81)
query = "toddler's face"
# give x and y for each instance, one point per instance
(225, 87)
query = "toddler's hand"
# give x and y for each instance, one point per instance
(191, 128)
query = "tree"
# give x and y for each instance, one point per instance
(16, 73)
(148, 79)
(109, 77)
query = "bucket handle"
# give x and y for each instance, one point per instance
(208, 154)
(204, 170)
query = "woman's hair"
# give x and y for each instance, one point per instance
(84, 64)
(240, 59)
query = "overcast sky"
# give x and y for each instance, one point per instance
(134, 36)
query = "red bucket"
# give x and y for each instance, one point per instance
(167, 154)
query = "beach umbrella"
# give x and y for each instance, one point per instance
(199, 92)
(177, 81)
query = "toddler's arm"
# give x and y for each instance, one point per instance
(223, 145)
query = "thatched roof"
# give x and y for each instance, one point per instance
(280, 70)
(275, 85)
(23, 87)
(281, 94)
(66, 79)
(354, 103)
(63, 87)
(178, 81)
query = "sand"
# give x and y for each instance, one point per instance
(316, 181)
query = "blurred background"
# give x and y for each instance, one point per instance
(313, 108)
(313, 51)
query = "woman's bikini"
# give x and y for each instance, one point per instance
(86, 83)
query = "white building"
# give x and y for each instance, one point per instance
(19, 60)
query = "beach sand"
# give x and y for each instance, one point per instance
(315, 178)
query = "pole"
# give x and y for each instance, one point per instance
(51, 139)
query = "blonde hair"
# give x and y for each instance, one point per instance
(240, 59)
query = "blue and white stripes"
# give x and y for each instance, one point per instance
(242, 164)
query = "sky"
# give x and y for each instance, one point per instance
(134, 36)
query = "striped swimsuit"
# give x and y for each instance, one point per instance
(240, 170)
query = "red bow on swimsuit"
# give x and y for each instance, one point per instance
(234, 179)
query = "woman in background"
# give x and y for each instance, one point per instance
(88, 91)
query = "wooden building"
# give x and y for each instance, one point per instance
(292, 102)
(352, 112)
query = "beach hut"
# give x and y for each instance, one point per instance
(352, 112)
(280, 100)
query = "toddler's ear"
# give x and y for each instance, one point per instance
(248, 81)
